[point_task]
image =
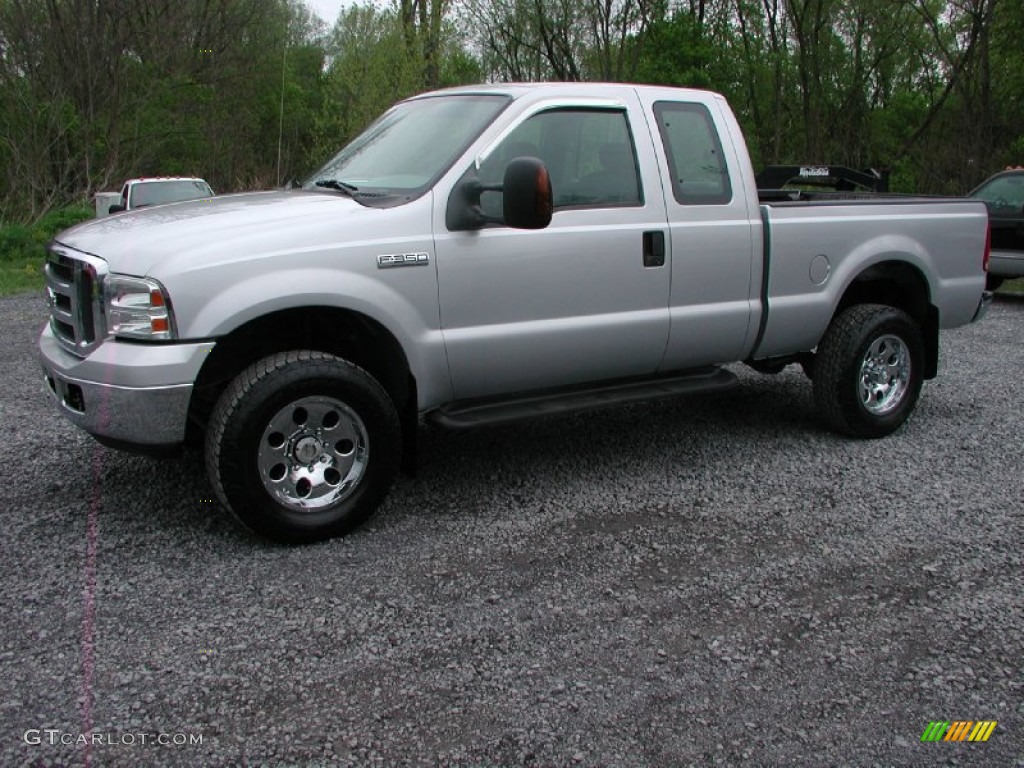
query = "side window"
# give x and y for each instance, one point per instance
(695, 158)
(124, 196)
(589, 154)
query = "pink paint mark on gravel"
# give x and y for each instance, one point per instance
(89, 601)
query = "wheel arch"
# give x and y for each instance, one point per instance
(900, 284)
(346, 333)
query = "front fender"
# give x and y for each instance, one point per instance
(411, 314)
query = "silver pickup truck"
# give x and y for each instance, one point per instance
(484, 254)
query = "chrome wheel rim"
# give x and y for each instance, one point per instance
(884, 375)
(313, 453)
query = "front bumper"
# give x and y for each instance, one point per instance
(135, 396)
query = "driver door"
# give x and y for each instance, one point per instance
(579, 301)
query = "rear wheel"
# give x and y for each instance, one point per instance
(303, 446)
(868, 370)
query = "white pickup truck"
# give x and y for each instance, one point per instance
(484, 254)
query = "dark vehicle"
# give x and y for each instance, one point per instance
(1004, 196)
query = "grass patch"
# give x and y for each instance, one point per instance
(23, 248)
(1012, 286)
(21, 277)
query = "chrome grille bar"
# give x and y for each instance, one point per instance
(73, 292)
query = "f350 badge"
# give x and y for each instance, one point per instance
(389, 260)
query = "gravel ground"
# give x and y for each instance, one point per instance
(705, 581)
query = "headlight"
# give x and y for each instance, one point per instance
(137, 308)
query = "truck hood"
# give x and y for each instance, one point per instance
(225, 228)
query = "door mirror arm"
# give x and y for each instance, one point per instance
(464, 211)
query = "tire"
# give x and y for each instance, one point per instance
(993, 283)
(868, 371)
(303, 446)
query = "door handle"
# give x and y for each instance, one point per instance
(654, 249)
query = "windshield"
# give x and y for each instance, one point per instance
(409, 146)
(160, 192)
(1003, 191)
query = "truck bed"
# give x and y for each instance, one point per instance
(813, 249)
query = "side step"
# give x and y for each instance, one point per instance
(476, 413)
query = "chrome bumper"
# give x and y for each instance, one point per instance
(126, 394)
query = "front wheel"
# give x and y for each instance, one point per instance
(303, 446)
(868, 370)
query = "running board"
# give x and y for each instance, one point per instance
(477, 413)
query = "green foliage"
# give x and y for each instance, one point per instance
(23, 248)
(19, 242)
(248, 93)
(60, 219)
(376, 60)
(676, 52)
(460, 68)
(373, 66)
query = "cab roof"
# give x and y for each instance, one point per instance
(164, 178)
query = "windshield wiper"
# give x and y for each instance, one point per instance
(341, 186)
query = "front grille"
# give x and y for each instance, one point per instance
(73, 292)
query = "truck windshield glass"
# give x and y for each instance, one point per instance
(410, 146)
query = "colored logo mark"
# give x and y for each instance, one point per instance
(958, 730)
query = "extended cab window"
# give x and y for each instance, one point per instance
(695, 159)
(589, 154)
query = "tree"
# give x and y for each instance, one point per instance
(249, 92)
(561, 39)
(96, 90)
(380, 56)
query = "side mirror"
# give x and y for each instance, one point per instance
(527, 202)
(526, 198)
(115, 208)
